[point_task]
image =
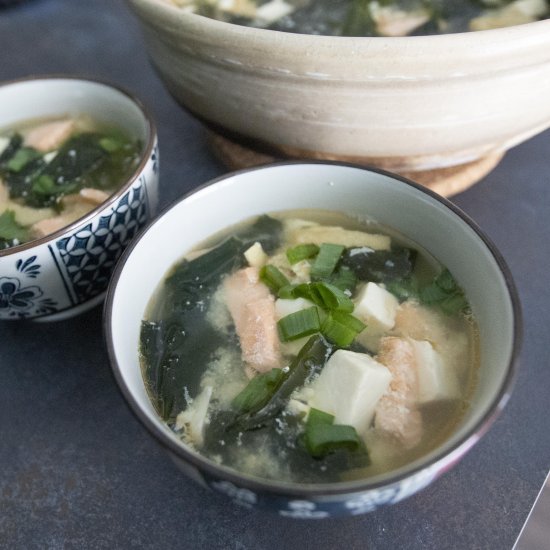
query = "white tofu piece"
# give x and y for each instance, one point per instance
(273, 11)
(349, 387)
(391, 21)
(302, 271)
(48, 157)
(376, 307)
(284, 307)
(437, 381)
(255, 255)
(194, 417)
(4, 142)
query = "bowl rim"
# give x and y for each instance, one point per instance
(146, 153)
(258, 33)
(274, 487)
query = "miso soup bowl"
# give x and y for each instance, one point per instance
(67, 272)
(431, 221)
(408, 104)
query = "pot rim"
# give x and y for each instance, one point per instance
(529, 33)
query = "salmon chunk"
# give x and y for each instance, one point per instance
(396, 414)
(50, 135)
(252, 308)
(422, 323)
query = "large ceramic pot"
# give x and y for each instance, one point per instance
(407, 104)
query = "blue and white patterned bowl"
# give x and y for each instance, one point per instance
(67, 272)
(424, 217)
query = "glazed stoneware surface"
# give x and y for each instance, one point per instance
(67, 272)
(405, 104)
(434, 224)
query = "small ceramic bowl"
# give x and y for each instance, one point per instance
(67, 272)
(424, 217)
(406, 104)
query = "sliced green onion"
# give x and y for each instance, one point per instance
(331, 297)
(326, 261)
(10, 228)
(258, 391)
(111, 144)
(322, 436)
(341, 328)
(321, 439)
(297, 325)
(325, 295)
(316, 416)
(302, 290)
(287, 292)
(349, 321)
(301, 252)
(273, 278)
(21, 158)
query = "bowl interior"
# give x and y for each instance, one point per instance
(422, 217)
(53, 97)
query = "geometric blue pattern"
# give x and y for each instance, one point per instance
(90, 254)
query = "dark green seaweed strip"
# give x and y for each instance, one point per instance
(177, 348)
(309, 361)
(379, 266)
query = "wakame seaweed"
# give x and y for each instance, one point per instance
(379, 266)
(442, 292)
(309, 361)
(192, 282)
(82, 161)
(172, 348)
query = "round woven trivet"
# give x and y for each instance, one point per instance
(445, 181)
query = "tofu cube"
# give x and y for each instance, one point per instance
(376, 307)
(272, 11)
(349, 387)
(4, 142)
(255, 255)
(437, 380)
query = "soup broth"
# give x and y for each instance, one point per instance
(53, 172)
(371, 17)
(309, 347)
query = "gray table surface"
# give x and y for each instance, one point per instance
(77, 470)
